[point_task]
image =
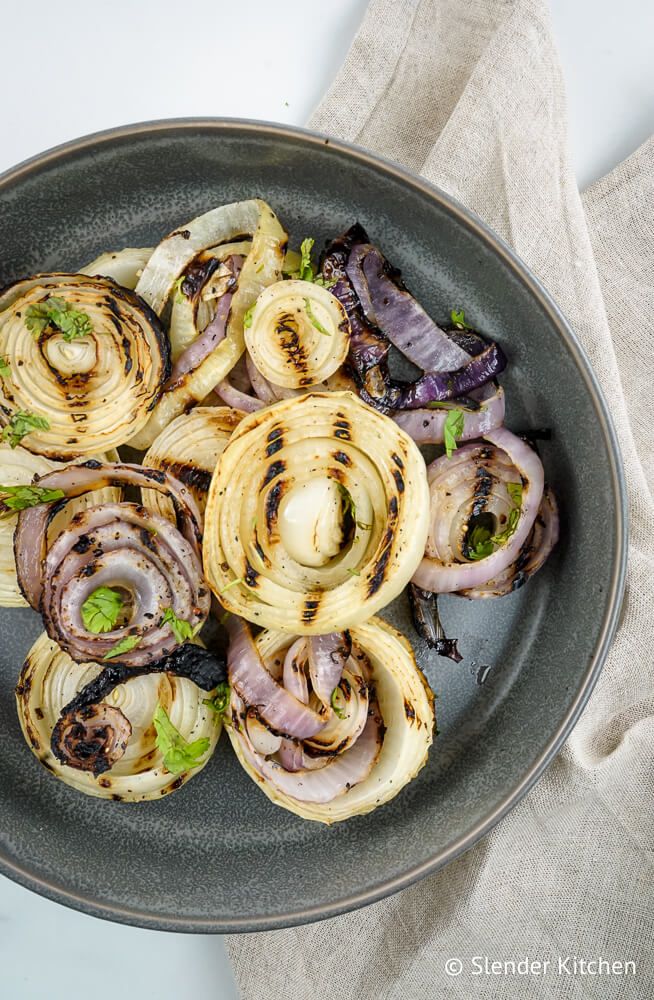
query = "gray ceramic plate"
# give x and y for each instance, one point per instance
(218, 856)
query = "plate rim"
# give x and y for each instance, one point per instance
(86, 903)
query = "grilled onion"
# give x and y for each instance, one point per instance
(298, 335)
(123, 266)
(18, 467)
(478, 530)
(171, 259)
(373, 742)
(188, 449)
(96, 390)
(48, 683)
(153, 565)
(317, 515)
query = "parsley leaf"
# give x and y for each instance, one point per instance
(247, 318)
(124, 646)
(314, 321)
(22, 497)
(347, 501)
(101, 609)
(354, 572)
(178, 754)
(220, 700)
(23, 422)
(55, 312)
(480, 543)
(338, 702)
(4, 367)
(232, 583)
(452, 429)
(177, 290)
(458, 317)
(182, 630)
(515, 492)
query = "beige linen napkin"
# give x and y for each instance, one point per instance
(469, 93)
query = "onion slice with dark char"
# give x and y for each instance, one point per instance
(141, 556)
(92, 738)
(473, 482)
(249, 677)
(387, 303)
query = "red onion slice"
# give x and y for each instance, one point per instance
(249, 677)
(328, 655)
(426, 426)
(455, 481)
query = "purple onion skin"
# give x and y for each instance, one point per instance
(369, 347)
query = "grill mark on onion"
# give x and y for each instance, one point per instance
(340, 456)
(397, 476)
(381, 564)
(273, 501)
(189, 474)
(274, 469)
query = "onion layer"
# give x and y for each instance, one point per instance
(364, 755)
(262, 267)
(96, 390)
(123, 266)
(299, 334)
(153, 565)
(476, 489)
(50, 680)
(317, 515)
(188, 449)
(18, 467)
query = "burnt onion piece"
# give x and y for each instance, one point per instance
(154, 563)
(92, 728)
(377, 726)
(427, 622)
(96, 385)
(484, 502)
(92, 738)
(92, 735)
(370, 345)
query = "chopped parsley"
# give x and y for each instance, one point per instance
(4, 367)
(458, 317)
(481, 542)
(55, 312)
(177, 290)
(220, 700)
(22, 423)
(124, 646)
(247, 318)
(338, 702)
(233, 583)
(22, 497)
(100, 611)
(452, 430)
(182, 630)
(178, 754)
(313, 319)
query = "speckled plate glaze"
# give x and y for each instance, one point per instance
(218, 856)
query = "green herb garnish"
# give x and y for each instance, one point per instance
(23, 422)
(324, 282)
(232, 583)
(314, 321)
(354, 572)
(177, 290)
(182, 630)
(124, 646)
(481, 542)
(100, 611)
(178, 754)
(452, 430)
(4, 367)
(55, 312)
(247, 318)
(220, 700)
(458, 317)
(338, 703)
(22, 497)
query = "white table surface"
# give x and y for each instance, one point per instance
(72, 68)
